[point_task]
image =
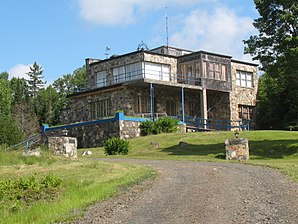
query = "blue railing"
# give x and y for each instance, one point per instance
(212, 124)
(118, 116)
(29, 142)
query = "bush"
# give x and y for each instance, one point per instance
(161, 125)
(10, 133)
(114, 146)
(27, 190)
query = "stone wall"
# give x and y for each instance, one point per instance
(243, 95)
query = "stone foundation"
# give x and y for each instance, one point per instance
(63, 146)
(237, 149)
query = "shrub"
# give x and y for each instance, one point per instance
(167, 124)
(161, 125)
(147, 127)
(114, 146)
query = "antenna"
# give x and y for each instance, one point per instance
(107, 52)
(167, 27)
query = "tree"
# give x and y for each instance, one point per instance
(20, 90)
(276, 47)
(5, 98)
(47, 106)
(9, 131)
(4, 75)
(35, 79)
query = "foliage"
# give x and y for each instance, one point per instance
(114, 146)
(26, 118)
(24, 191)
(161, 125)
(47, 105)
(147, 127)
(5, 98)
(276, 47)
(71, 83)
(35, 79)
(4, 75)
(20, 90)
(10, 133)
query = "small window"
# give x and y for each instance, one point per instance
(100, 109)
(244, 79)
(101, 79)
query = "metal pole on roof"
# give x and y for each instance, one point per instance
(182, 104)
(151, 101)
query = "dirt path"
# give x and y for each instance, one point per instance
(193, 192)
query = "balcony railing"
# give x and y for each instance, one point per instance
(149, 74)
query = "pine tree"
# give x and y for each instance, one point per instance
(35, 82)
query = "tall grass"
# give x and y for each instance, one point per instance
(83, 182)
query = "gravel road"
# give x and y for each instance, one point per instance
(196, 192)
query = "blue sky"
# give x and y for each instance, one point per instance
(60, 34)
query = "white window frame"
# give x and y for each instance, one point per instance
(101, 79)
(244, 79)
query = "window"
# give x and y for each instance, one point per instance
(223, 72)
(171, 108)
(100, 109)
(118, 74)
(217, 71)
(157, 71)
(211, 70)
(205, 69)
(133, 71)
(127, 72)
(143, 104)
(244, 79)
(101, 79)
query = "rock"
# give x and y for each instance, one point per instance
(155, 144)
(87, 153)
(183, 144)
(33, 152)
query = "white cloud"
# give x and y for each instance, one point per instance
(220, 31)
(19, 71)
(112, 12)
(123, 12)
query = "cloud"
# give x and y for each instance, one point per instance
(123, 12)
(19, 71)
(220, 31)
(112, 12)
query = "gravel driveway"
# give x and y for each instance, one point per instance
(196, 192)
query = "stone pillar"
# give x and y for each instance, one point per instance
(237, 149)
(64, 146)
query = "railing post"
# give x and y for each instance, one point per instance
(151, 101)
(182, 102)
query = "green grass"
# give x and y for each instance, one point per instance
(84, 182)
(277, 149)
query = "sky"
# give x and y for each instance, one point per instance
(60, 34)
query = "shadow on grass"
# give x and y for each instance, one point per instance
(274, 149)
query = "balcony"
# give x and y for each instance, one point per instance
(165, 77)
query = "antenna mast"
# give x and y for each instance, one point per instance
(167, 27)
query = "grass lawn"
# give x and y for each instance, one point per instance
(83, 182)
(277, 149)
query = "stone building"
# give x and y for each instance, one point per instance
(167, 80)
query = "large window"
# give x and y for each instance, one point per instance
(127, 72)
(213, 70)
(244, 79)
(101, 79)
(100, 109)
(157, 71)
